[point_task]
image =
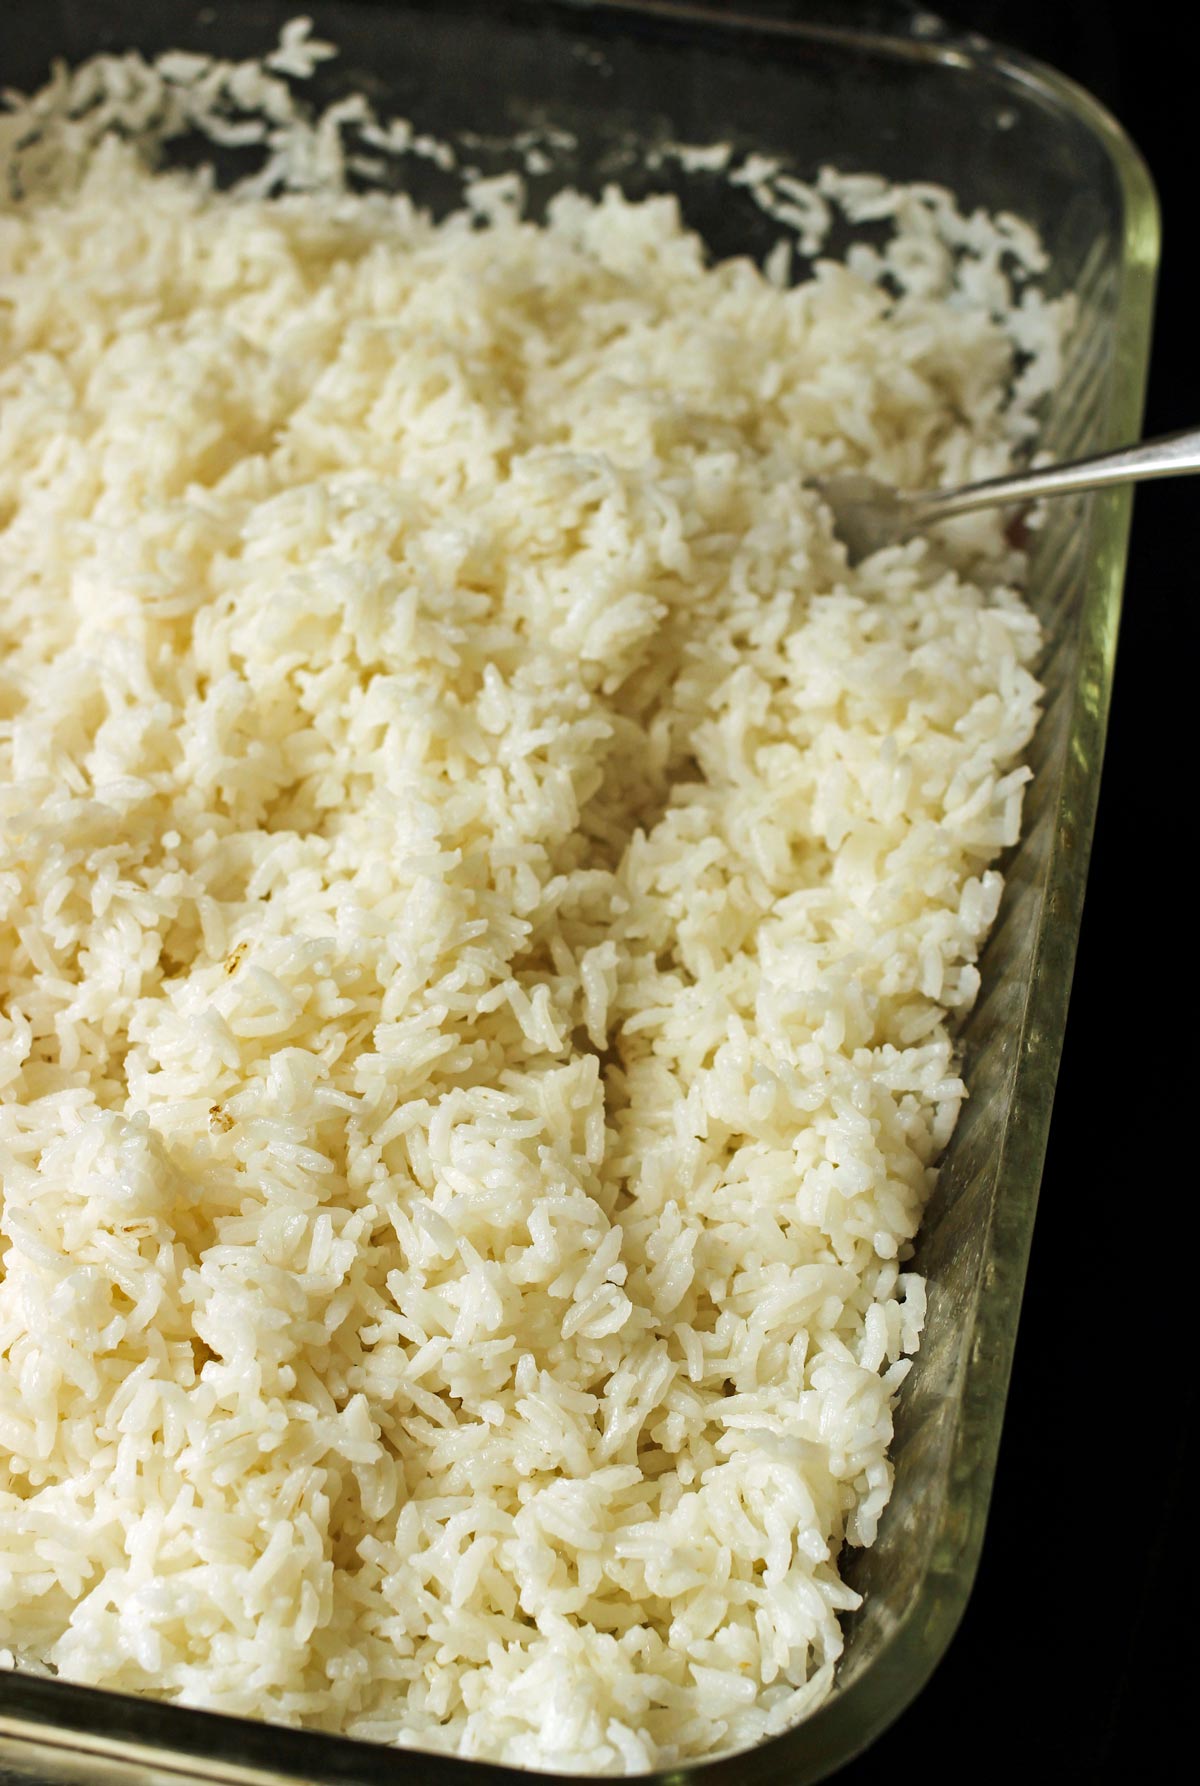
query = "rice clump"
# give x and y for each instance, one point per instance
(485, 897)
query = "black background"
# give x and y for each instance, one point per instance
(1077, 1648)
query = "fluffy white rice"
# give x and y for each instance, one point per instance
(484, 901)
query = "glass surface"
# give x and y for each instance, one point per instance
(1006, 134)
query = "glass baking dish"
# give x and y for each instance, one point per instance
(597, 86)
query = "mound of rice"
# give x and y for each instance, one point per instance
(485, 894)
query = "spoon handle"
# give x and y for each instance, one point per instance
(1170, 455)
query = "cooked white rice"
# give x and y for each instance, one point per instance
(484, 901)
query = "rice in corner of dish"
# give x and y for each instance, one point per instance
(485, 896)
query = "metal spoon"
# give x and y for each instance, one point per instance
(868, 514)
